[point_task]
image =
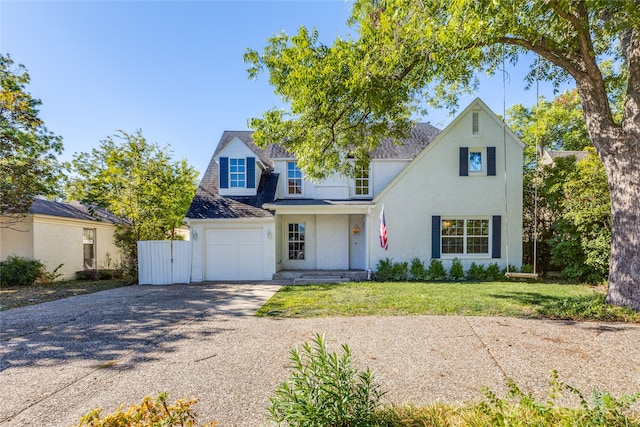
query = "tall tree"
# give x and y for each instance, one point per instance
(28, 151)
(345, 97)
(136, 180)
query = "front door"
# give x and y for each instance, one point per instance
(357, 242)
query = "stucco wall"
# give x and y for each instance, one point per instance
(17, 240)
(332, 242)
(432, 186)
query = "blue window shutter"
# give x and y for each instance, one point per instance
(496, 237)
(435, 236)
(251, 172)
(464, 161)
(491, 161)
(224, 172)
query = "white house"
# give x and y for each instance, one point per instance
(446, 195)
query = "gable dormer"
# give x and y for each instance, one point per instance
(239, 169)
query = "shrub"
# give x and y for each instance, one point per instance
(512, 269)
(493, 272)
(456, 272)
(526, 268)
(148, 413)
(325, 389)
(417, 269)
(520, 408)
(476, 272)
(436, 271)
(384, 270)
(400, 271)
(19, 271)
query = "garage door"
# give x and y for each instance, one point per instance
(234, 254)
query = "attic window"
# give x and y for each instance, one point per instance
(475, 123)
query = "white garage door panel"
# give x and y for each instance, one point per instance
(234, 254)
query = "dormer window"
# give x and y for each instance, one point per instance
(237, 173)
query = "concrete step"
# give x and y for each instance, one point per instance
(313, 279)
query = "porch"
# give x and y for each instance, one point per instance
(299, 277)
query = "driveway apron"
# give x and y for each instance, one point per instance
(61, 359)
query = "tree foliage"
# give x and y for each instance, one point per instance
(136, 180)
(28, 162)
(342, 99)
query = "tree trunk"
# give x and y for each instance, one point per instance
(623, 170)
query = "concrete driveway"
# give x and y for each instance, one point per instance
(61, 359)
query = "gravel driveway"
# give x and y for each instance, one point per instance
(60, 359)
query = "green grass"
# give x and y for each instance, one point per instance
(20, 296)
(514, 299)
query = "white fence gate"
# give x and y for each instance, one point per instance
(163, 262)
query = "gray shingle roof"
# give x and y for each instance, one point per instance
(209, 204)
(75, 210)
(421, 135)
(244, 136)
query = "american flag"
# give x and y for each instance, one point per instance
(383, 231)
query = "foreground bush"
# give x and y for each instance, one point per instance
(518, 408)
(148, 413)
(325, 389)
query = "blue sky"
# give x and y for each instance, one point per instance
(171, 68)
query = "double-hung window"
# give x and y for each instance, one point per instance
(88, 248)
(296, 241)
(294, 179)
(362, 181)
(237, 173)
(465, 236)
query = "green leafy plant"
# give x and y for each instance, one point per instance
(436, 271)
(400, 271)
(148, 412)
(417, 269)
(49, 276)
(384, 270)
(19, 271)
(476, 272)
(493, 272)
(518, 408)
(325, 389)
(456, 272)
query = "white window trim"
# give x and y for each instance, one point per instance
(369, 182)
(286, 182)
(244, 161)
(304, 242)
(475, 117)
(483, 155)
(466, 255)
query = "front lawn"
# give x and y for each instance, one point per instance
(19, 296)
(516, 299)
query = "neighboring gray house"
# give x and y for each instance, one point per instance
(445, 194)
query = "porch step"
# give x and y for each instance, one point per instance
(321, 276)
(307, 280)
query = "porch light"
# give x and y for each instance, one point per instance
(356, 230)
(269, 235)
